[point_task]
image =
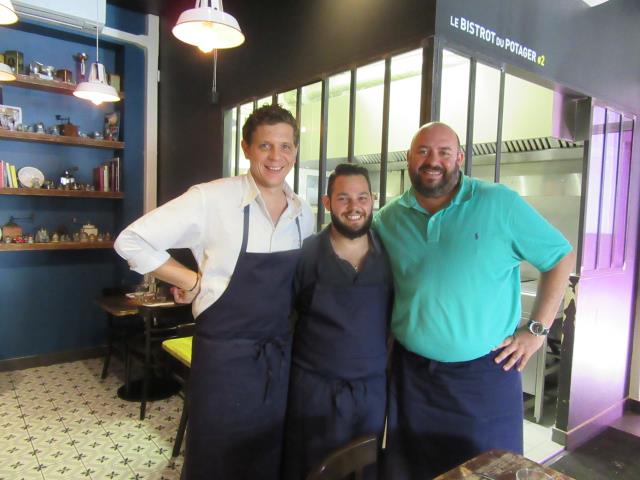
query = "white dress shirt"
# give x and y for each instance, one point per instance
(208, 219)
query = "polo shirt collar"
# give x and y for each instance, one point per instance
(464, 193)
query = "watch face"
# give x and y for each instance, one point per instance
(537, 328)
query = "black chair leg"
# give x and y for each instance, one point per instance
(146, 375)
(182, 426)
(107, 358)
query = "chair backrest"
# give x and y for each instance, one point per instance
(348, 460)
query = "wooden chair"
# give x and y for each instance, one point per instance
(348, 460)
(180, 349)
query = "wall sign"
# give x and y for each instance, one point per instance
(490, 36)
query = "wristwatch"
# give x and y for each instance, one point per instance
(537, 328)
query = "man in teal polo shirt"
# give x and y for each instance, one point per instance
(455, 245)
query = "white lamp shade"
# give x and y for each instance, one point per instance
(96, 89)
(6, 74)
(594, 3)
(7, 13)
(208, 29)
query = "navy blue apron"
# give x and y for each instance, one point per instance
(338, 383)
(240, 371)
(442, 414)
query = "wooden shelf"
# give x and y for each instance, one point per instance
(60, 139)
(43, 192)
(35, 83)
(14, 247)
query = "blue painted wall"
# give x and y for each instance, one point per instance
(47, 300)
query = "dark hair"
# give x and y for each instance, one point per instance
(269, 115)
(347, 169)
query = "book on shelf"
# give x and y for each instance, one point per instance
(106, 177)
(14, 177)
(8, 175)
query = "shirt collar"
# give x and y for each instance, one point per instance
(464, 193)
(251, 192)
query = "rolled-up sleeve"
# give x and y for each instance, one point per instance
(176, 224)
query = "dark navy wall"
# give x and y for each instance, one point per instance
(47, 302)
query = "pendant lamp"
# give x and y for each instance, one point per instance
(207, 27)
(96, 89)
(7, 13)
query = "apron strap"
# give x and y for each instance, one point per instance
(245, 230)
(299, 232)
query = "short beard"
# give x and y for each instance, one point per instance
(349, 233)
(444, 187)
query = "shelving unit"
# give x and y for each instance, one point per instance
(55, 86)
(60, 139)
(41, 192)
(13, 247)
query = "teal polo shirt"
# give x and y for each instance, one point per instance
(457, 272)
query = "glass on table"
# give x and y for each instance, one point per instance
(532, 474)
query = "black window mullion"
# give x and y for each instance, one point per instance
(384, 148)
(274, 99)
(470, 112)
(296, 167)
(428, 84)
(322, 169)
(496, 173)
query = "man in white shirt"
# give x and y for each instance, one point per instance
(245, 233)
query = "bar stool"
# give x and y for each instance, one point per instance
(180, 349)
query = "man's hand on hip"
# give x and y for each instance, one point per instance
(518, 348)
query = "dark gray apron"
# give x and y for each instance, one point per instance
(338, 387)
(240, 371)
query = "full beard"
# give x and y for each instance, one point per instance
(445, 186)
(349, 232)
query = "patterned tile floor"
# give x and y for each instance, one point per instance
(63, 422)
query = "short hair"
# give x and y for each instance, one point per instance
(269, 115)
(347, 169)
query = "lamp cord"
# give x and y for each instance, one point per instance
(97, 20)
(215, 69)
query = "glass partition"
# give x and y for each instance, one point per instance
(454, 92)
(404, 117)
(485, 122)
(368, 125)
(245, 111)
(310, 143)
(289, 100)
